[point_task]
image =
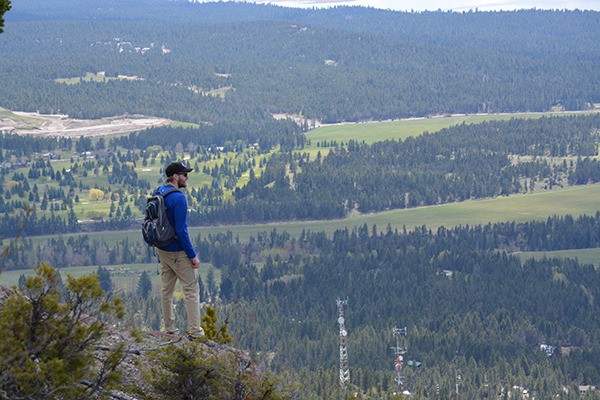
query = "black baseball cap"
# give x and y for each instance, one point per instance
(177, 168)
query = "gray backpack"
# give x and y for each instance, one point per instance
(157, 229)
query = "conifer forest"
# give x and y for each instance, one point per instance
(244, 89)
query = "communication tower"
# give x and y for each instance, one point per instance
(399, 352)
(344, 370)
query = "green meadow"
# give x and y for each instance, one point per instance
(184, 124)
(575, 201)
(124, 277)
(220, 92)
(121, 275)
(26, 121)
(584, 256)
(94, 77)
(371, 132)
(539, 206)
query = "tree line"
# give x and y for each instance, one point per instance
(266, 134)
(458, 163)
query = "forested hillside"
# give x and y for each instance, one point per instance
(470, 307)
(331, 65)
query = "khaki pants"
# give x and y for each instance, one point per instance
(176, 265)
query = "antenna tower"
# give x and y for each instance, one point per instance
(344, 371)
(399, 352)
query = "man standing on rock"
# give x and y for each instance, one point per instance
(179, 259)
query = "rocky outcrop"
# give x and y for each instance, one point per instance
(137, 360)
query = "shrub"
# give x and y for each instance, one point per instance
(48, 347)
(195, 371)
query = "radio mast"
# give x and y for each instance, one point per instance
(399, 352)
(344, 371)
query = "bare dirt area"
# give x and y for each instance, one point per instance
(63, 126)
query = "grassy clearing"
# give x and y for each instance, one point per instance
(94, 77)
(520, 208)
(573, 200)
(220, 92)
(28, 122)
(378, 131)
(371, 132)
(585, 256)
(184, 124)
(120, 275)
(87, 208)
(124, 277)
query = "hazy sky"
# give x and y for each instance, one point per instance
(456, 5)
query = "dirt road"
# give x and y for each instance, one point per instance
(61, 125)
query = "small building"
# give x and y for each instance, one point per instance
(104, 153)
(546, 348)
(584, 389)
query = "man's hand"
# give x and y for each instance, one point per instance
(195, 262)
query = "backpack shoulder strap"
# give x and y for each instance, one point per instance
(167, 192)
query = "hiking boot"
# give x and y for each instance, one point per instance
(172, 335)
(196, 336)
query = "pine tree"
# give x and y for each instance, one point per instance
(201, 290)
(22, 280)
(209, 324)
(106, 283)
(47, 349)
(144, 286)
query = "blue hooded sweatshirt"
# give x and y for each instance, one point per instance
(176, 205)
